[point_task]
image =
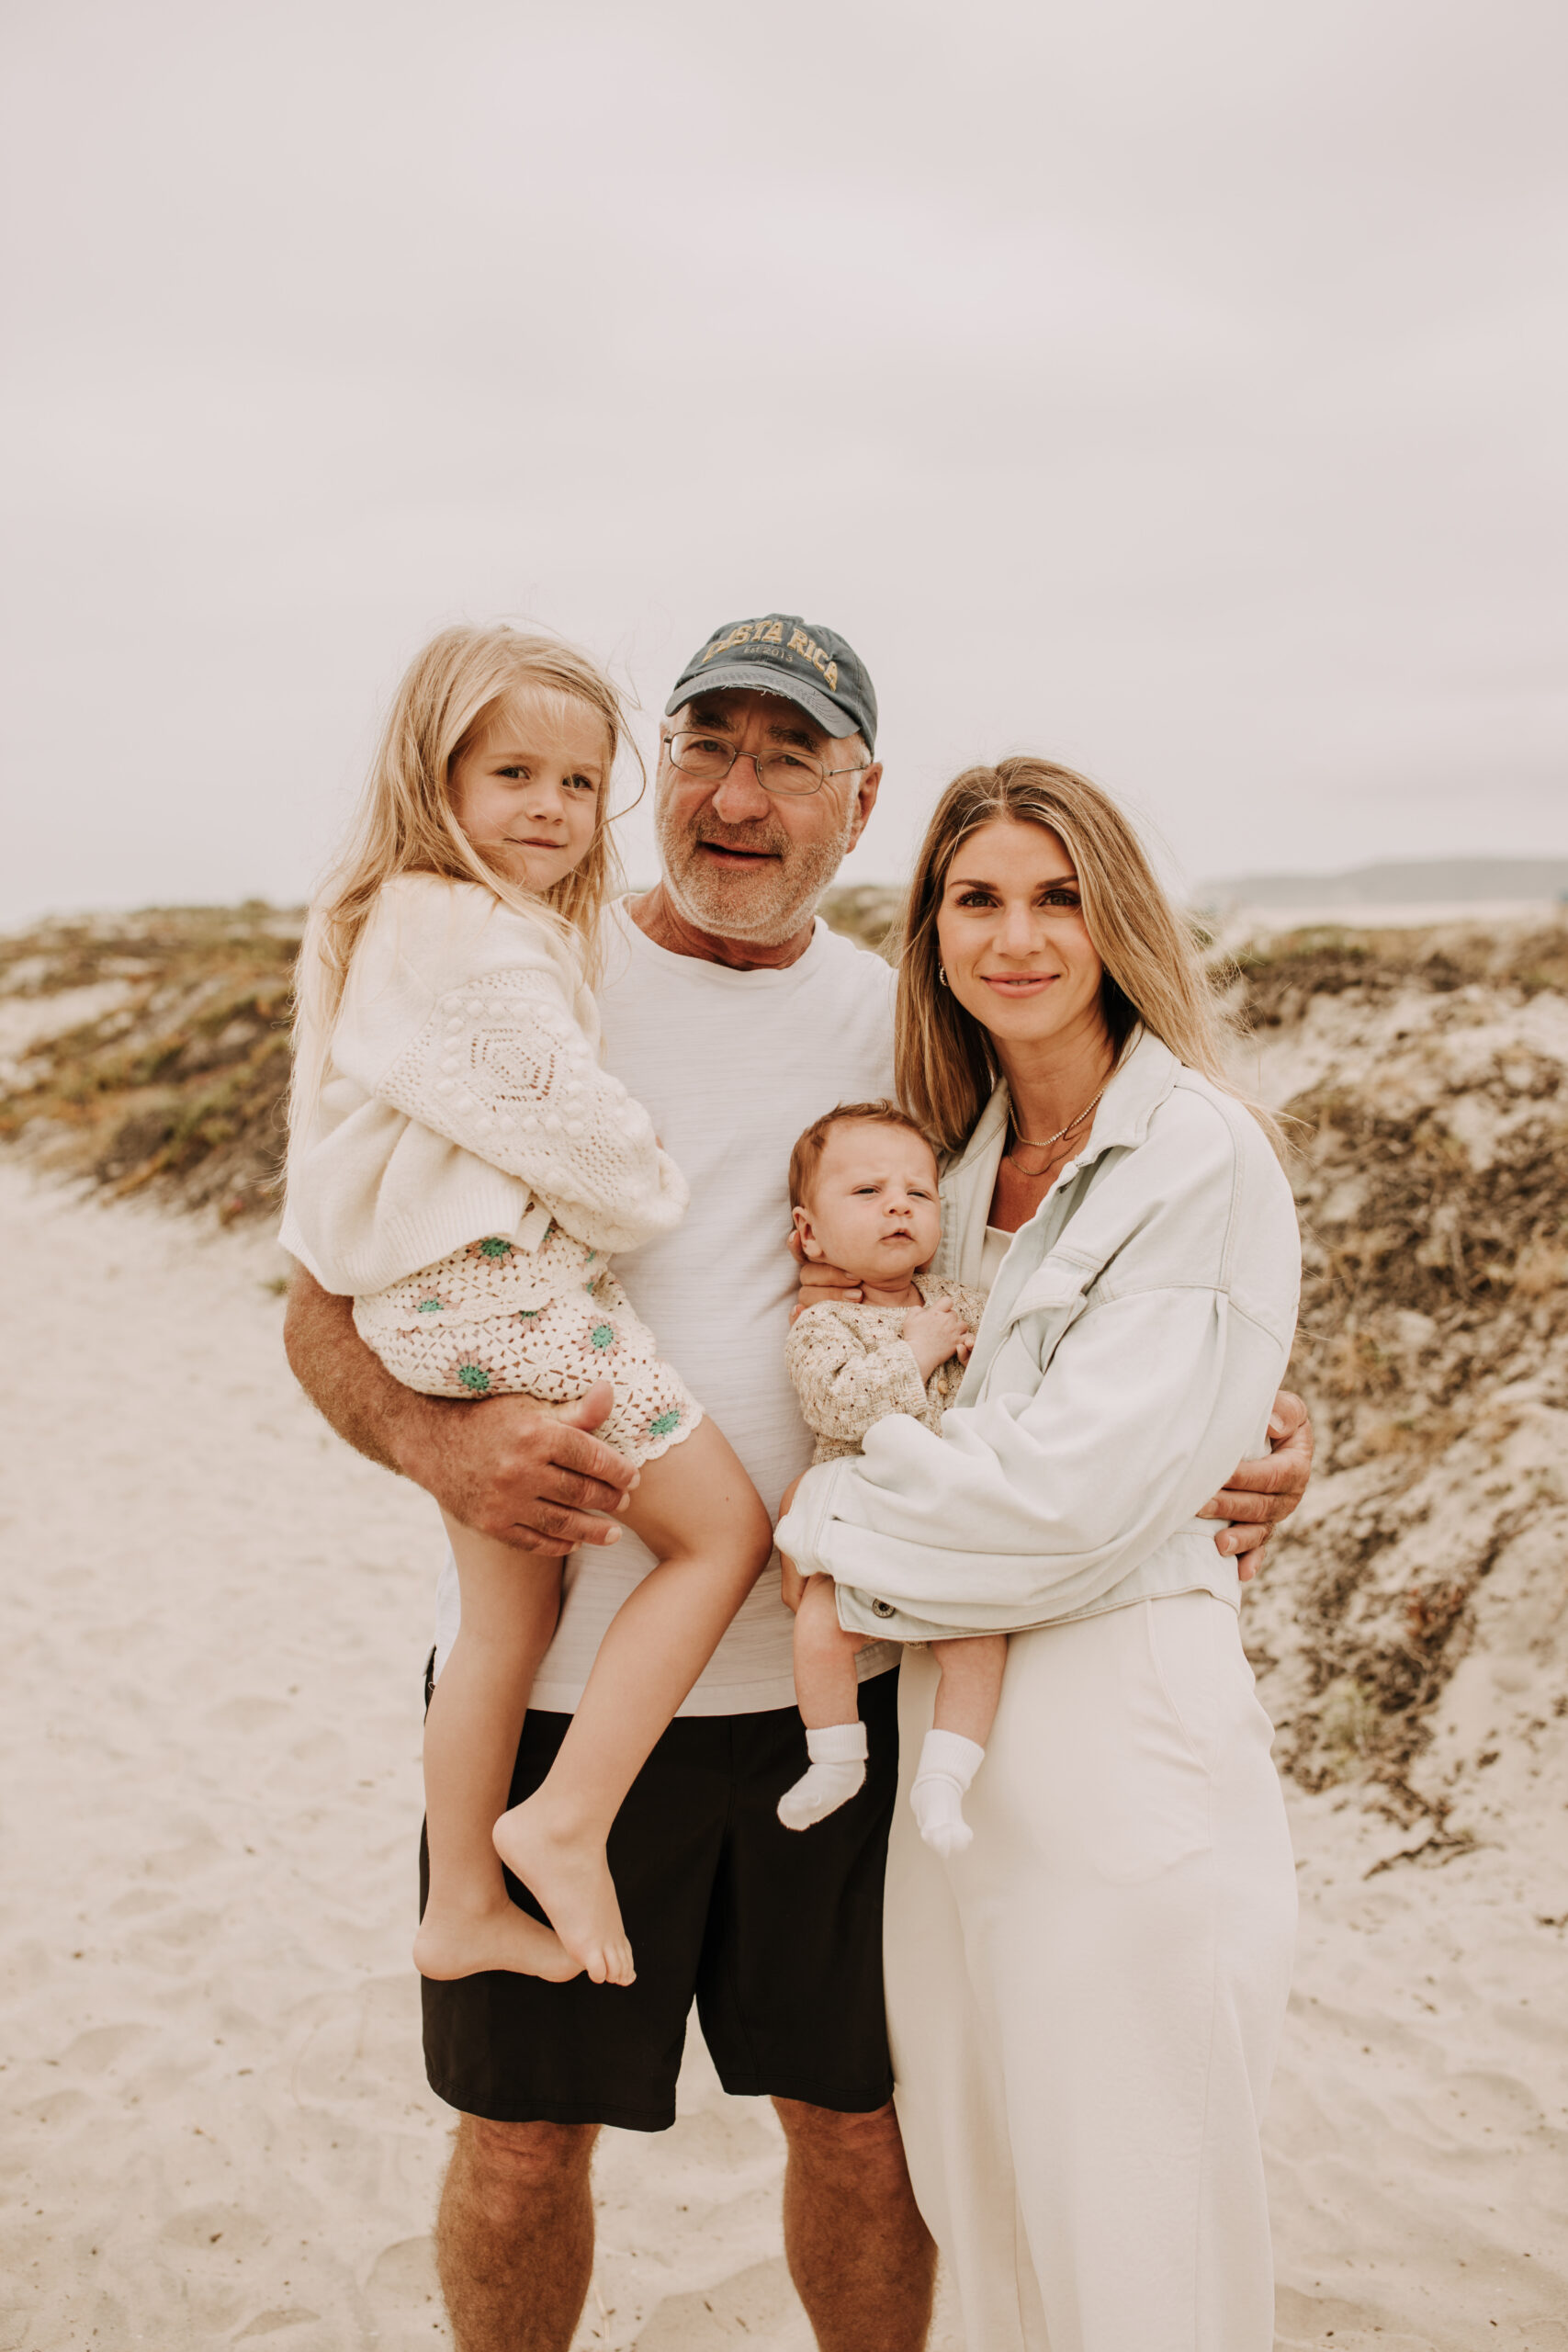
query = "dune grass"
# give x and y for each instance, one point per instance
(177, 1083)
(148, 1055)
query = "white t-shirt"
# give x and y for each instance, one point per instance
(731, 1066)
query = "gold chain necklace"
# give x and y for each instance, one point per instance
(1030, 1145)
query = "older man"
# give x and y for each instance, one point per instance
(735, 1018)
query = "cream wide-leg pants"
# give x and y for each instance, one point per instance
(1085, 2006)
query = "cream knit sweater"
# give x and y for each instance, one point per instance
(462, 1096)
(852, 1366)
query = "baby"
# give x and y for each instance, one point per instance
(863, 1184)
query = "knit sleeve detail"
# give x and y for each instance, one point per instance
(503, 1069)
(846, 1381)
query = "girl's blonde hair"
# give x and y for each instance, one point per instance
(405, 822)
(946, 1064)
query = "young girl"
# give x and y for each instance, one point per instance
(864, 1187)
(461, 1167)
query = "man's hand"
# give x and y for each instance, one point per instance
(820, 1283)
(1262, 1493)
(537, 1480)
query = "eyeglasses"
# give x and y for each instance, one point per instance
(790, 773)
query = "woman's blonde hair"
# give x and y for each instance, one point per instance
(946, 1064)
(405, 822)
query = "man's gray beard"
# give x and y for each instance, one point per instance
(762, 908)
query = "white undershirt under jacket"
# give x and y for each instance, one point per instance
(731, 1067)
(996, 1246)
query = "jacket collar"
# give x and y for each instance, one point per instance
(1140, 1083)
(988, 1131)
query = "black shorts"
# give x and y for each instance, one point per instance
(775, 1933)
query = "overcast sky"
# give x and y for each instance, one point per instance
(1178, 390)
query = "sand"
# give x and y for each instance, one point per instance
(217, 2128)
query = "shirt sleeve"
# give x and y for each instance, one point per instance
(504, 1070)
(1030, 1506)
(493, 1057)
(845, 1384)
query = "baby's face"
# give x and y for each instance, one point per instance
(873, 1207)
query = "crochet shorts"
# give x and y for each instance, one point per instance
(456, 1329)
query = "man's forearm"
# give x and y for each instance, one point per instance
(347, 1383)
(532, 1478)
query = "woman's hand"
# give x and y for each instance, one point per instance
(1260, 1494)
(791, 1583)
(820, 1284)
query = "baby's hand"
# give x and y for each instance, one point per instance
(934, 1333)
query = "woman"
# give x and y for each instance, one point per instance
(1085, 2005)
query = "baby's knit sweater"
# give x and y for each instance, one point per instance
(852, 1366)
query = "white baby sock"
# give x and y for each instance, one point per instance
(948, 1763)
(838, 1756)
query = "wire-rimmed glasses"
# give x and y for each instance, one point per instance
(708, 759)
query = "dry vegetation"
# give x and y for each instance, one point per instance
(1425, 1071)
(149, 1052)
(868, 912)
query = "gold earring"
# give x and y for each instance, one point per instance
(941, 976)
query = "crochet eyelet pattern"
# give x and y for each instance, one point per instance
(514, 1322)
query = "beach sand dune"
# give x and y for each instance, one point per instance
(217, 2126)
(216, 2129)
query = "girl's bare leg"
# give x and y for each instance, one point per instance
(965, 1709)
(827, 1692)
(511, 1601)
(701, 1517)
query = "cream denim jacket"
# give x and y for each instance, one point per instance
(1131, 1350)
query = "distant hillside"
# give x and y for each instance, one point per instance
(149, 1052)
(1434, 881)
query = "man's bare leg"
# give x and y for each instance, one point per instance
(862, 2260)
(514, 2237)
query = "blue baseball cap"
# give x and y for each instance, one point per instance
(781, 654)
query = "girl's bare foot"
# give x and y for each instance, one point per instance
(569, 1875)
(465, 1943)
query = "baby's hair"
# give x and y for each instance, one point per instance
(405, 823)
(806, 1158)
